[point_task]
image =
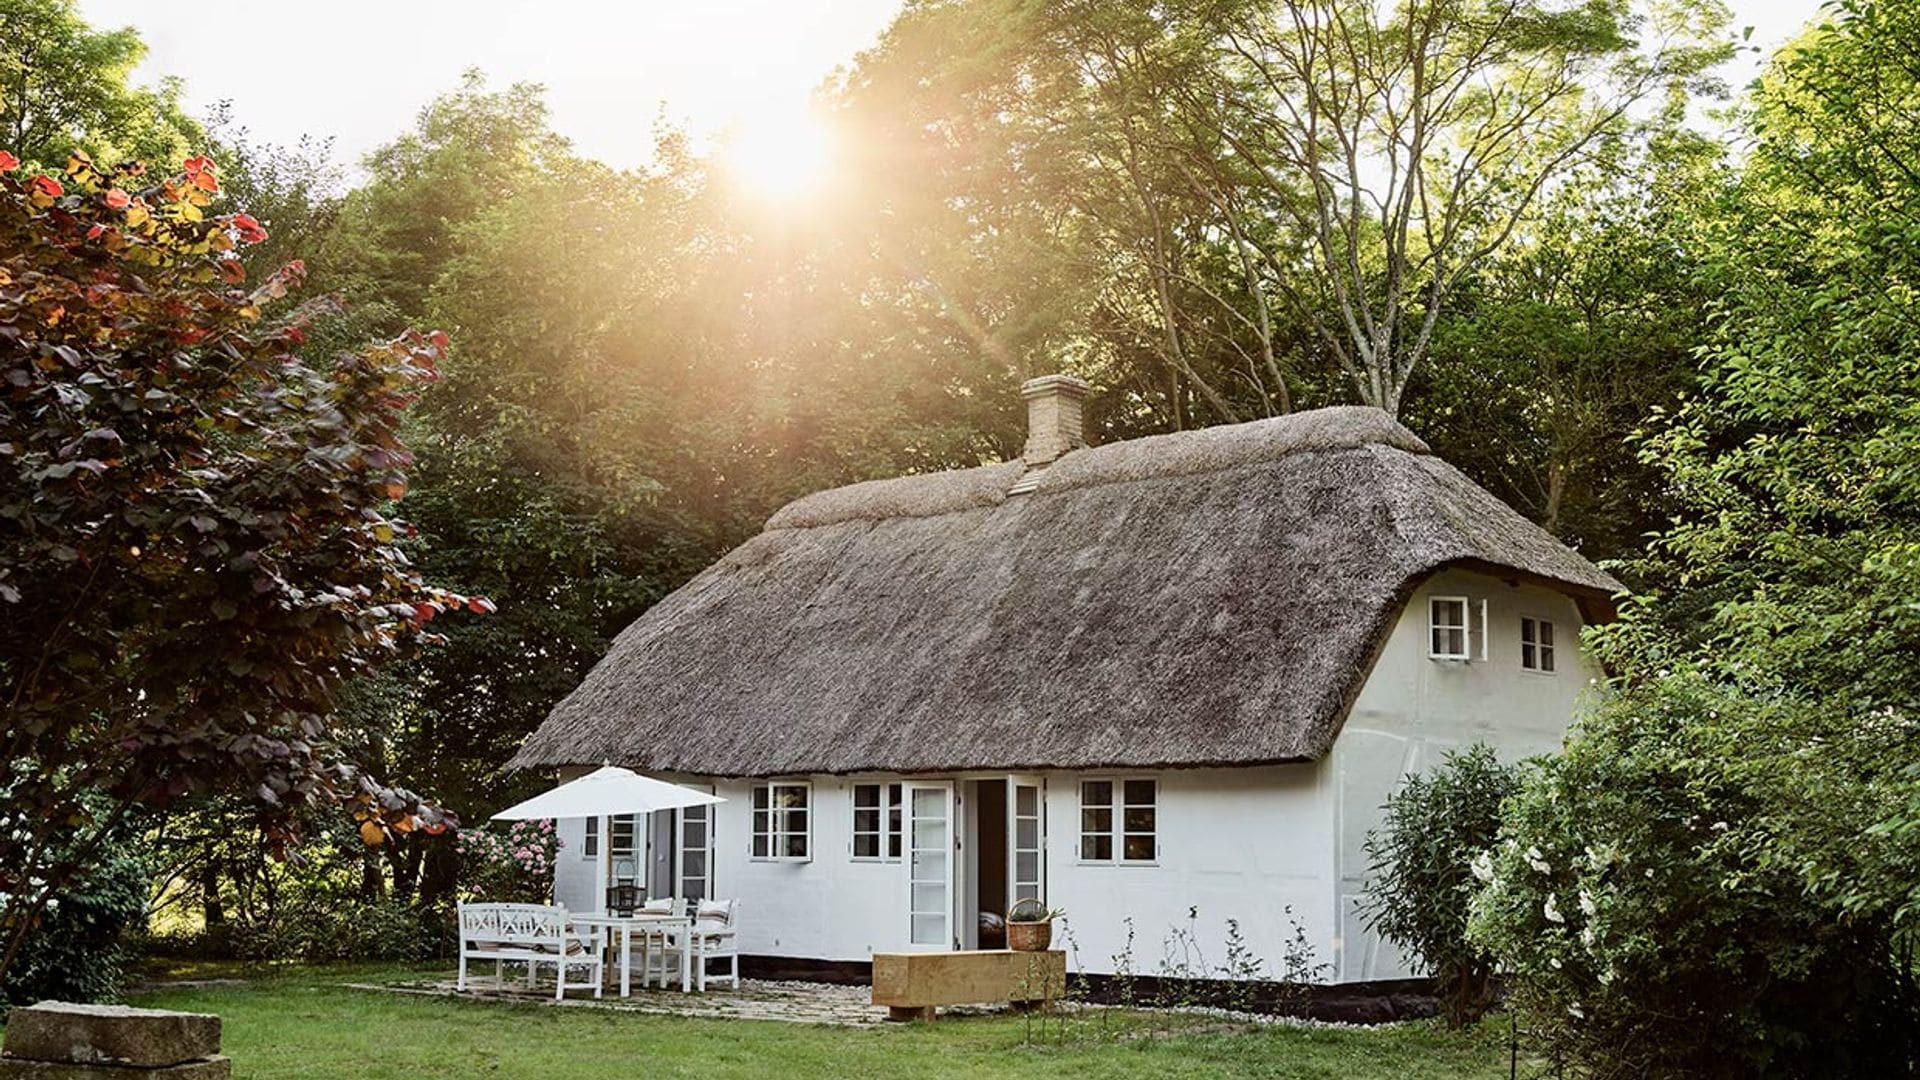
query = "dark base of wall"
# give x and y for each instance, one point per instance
(1379, 1002)
(790, 969)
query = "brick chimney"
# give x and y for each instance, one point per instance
(1053, 417)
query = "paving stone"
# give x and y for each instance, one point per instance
(784, 1002)
(110, 1035)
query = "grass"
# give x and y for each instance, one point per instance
(304, 1025)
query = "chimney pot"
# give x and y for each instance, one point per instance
(1054, 417)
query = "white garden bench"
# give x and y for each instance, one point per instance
(534, 935)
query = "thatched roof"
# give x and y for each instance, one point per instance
(1205, 598)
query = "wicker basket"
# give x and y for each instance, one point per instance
(1029, 936)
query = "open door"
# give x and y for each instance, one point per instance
(930, 865)
(1026, 838)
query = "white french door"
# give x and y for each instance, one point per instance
(1026, 839)
(695, 864)
(929, 865)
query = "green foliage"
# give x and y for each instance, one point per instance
(357, 931)
(63, 86)
(1793, 561)
(1718, 879)
(1649, 926)
(1793, 558)
(76, 951)
(1433, 828)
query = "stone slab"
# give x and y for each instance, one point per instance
(110, 1035)
(917, 980)
(216, 1067)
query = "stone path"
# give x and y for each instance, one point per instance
(789, 1002)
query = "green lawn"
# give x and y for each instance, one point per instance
(305, 1025)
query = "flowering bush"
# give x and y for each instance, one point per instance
(517, 866)
(1646, 924)
(1421, 883)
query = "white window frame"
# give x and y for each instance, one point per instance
(890, 838)
(1543, 648)
(636, 850)
(1464, 626)
(771, 825)
(590, 840)
(1117, 831)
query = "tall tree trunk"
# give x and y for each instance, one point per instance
(213, 910)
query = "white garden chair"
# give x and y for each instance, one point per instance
(714, 938)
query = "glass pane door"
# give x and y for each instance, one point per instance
(1026, 840)
(930, 866)
(696, 853)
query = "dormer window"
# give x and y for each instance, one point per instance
(1448, 635)
(1536, 645)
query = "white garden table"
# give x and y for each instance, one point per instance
(625, 926)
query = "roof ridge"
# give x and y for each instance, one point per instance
(1178, 453)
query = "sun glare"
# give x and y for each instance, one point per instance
(780, 156)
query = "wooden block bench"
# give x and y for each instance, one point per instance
(911, 985)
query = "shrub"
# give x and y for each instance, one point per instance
(1422, 878)
(1648, 902)
(75, 953)
(516, 867)
(360, 931)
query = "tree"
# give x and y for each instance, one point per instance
(64, 86)
(1400, 147)
(1718, 878)
(1561, 347)
(195, 542)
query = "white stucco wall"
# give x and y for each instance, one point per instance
(1413, 710)
(1244, 844)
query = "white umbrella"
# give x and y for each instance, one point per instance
(609, 790)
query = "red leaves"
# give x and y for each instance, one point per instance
(200, 173)
(117, 199)
(249, 229)
(480, 605)
(231, 271)
(8, 162)
(43, 190)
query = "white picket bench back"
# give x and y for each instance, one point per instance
(533, 934)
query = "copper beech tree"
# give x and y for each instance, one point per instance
(196, 538)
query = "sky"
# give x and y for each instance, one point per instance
(359, 70)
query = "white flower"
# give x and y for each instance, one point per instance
(1551, 909)
(1554, 963)
(1586, 936)
(1587, 906)
(1482, 866)
(1578, 1012)
(1537, 860)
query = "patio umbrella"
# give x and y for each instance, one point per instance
(609, 790)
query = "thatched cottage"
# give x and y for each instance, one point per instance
(1169, 680)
